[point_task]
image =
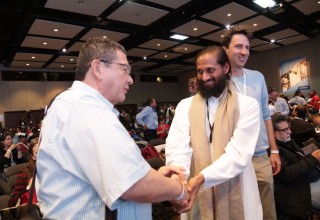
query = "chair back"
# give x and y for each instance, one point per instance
(12, 180)
(4, 199)
(5, 187)
(15, 169)
(157, 141)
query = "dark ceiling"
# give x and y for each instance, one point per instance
(143, 28)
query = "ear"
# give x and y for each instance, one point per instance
(225, 48)
(96, 69)
(226, 68)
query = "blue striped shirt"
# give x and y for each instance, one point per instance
(87, 159)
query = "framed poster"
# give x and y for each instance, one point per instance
(294, 75)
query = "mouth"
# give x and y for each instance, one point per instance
(209, 83)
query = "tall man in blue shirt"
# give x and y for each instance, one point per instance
(236, 43)
(148, 118)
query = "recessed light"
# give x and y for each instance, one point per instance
(228, 26)
(104, 36)
(229, 14)
(179, 37)
(185, 48)
(55, 30)
(27, 64)
(71, 59)
(62, 66)
(318, 2)
(33, 57)
(272, 41)
(222, 35)
(158, 45)
(144, 58)
(44, 43)
(265, 3)
(64, 50)
(255, 25)
(166, 56)
(195, 29)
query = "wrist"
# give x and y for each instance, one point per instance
(274, 151)
(180, 197)
(9, 150)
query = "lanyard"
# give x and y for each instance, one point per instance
(244, 85)
(210, 126)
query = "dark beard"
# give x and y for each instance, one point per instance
(215, 91)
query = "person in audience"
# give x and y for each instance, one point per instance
(215, 133)
(236, 43)
(292, 184)
(163, 128)
(87, 162)
(193, 86)
(10, 154)
(280, 104)
(316, 122)
(148, 118)
(297, 100)
(24, 145)
(21, 192)
(300, 128)
(313, 102)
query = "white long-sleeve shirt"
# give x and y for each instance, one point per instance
(238, 152)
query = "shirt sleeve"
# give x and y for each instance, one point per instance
(264, 100)
(140, 116)
(240, 148)
(178, 149)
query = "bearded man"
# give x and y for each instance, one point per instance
(213, 136)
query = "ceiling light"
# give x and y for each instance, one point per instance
(255, 25)
(55, 30)
(272, 41)
(44, 43)
(222, 35)
(228, 26)
(27, 64)
(158, 45)
(185, 48)
(33, 57)
(144, 58)
(64, 50)
(229, 14)
(71, 59)
(166, 56)
(62, 66)
(179, 37)
(265, 3)
(195, 29)
(104, 37)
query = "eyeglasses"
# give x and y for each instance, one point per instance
(284, 129)
(127, 68)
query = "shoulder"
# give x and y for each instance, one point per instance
(246, 102)
(254, 74)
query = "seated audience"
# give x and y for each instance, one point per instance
(301, 129)
(21, 192)
(292, 184)
(280, 104)
(297, 99)
(163, 128)
(316, 122)
(10, 154)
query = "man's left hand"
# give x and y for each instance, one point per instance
(275, 163)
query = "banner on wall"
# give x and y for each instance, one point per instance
(294, 75)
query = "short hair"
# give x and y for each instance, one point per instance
(235, 30)
(5, 135)
(276, 119)
(270, 90)
(297, 92)
(301, 111)
(222, 57)
(100, 48)
(150, 101)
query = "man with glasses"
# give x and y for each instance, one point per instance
(292, 184)
(86, 158)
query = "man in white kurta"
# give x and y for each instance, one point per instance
(236, 159)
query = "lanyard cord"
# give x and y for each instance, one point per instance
(210, 126)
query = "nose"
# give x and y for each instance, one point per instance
(244, 50)
(130, 80)
(205, 76)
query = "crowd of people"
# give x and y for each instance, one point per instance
(234, 149)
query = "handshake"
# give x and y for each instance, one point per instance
(189, 190)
